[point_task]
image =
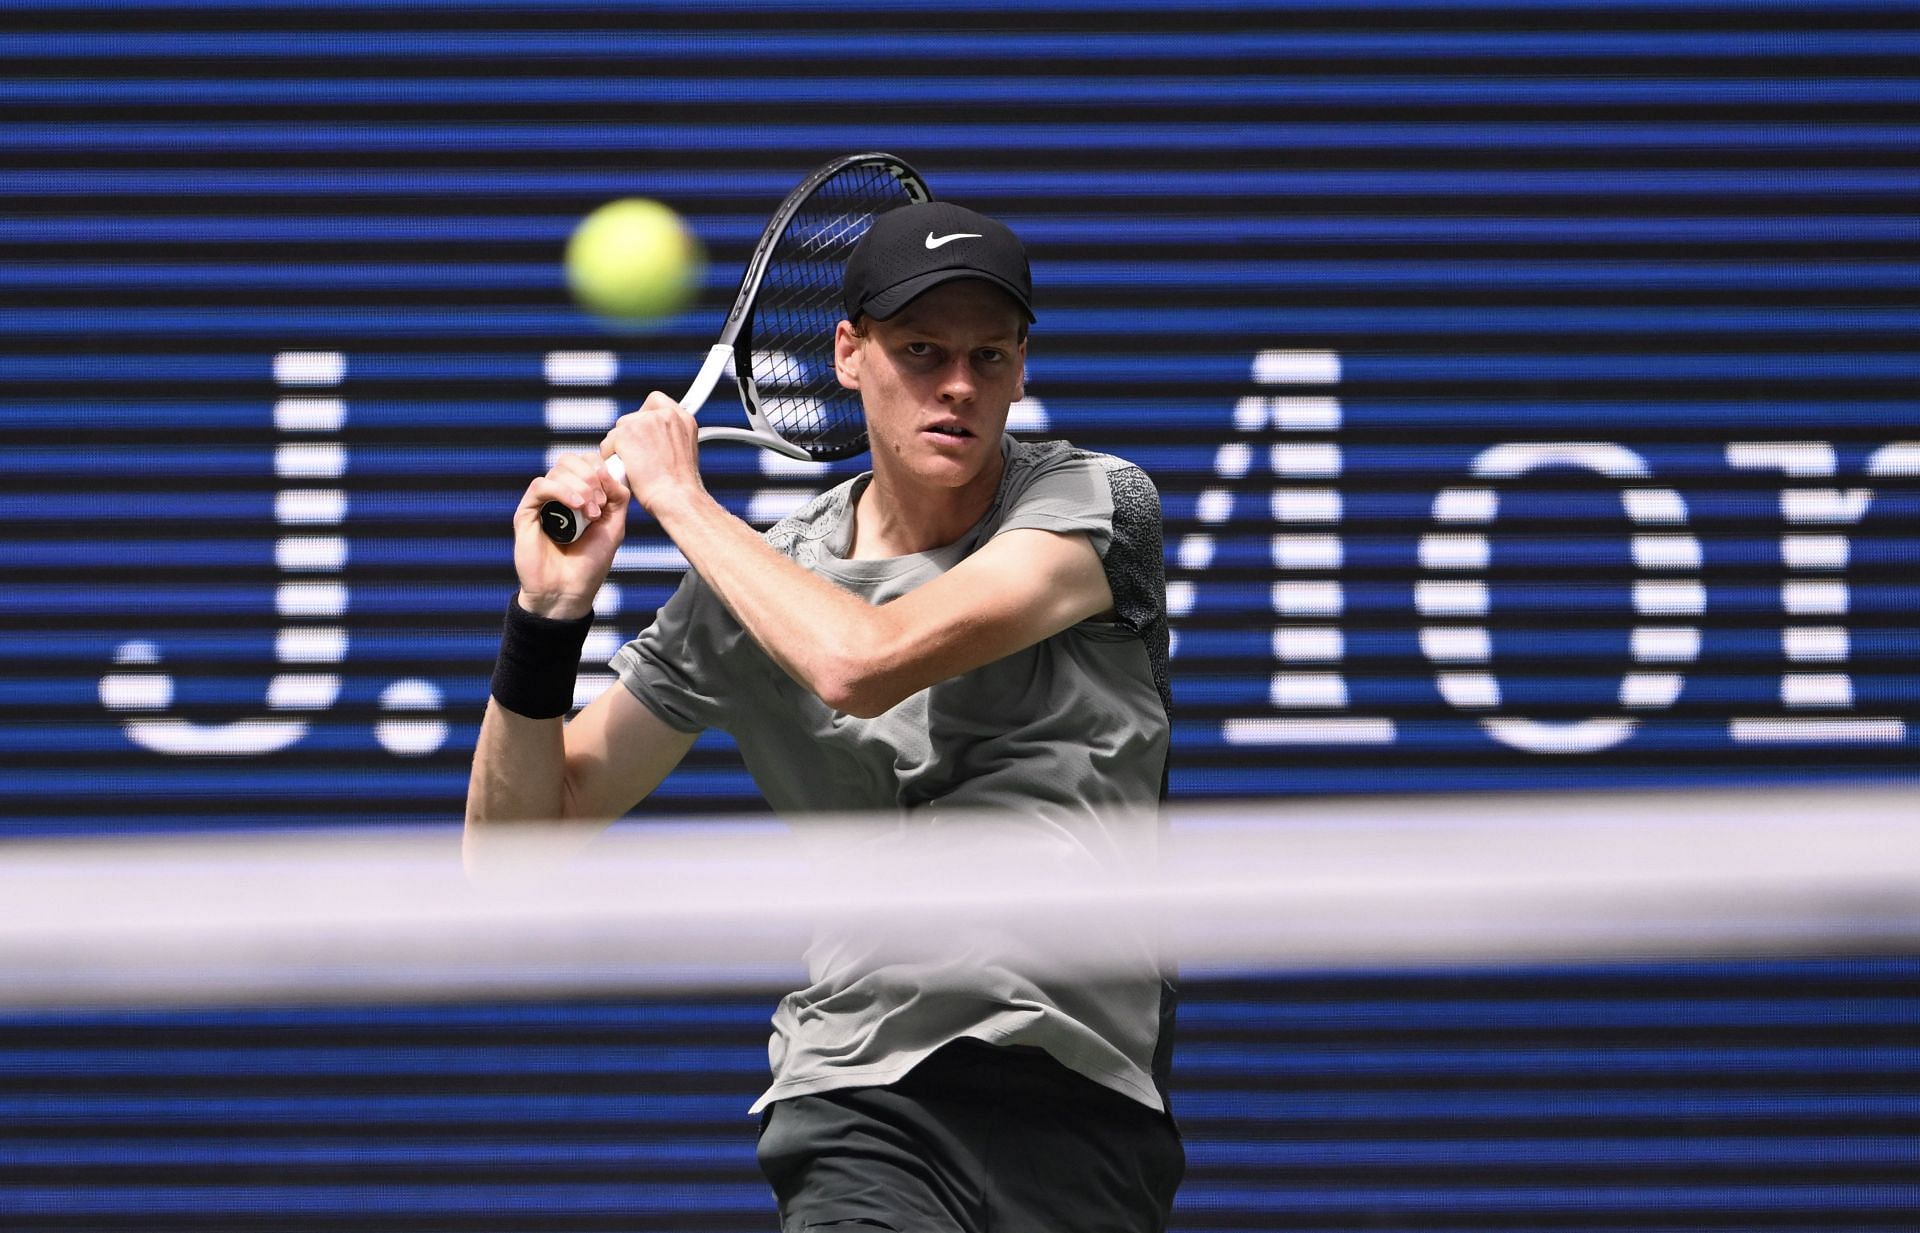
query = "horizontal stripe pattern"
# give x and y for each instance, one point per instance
(1584, 1098)
(1532, 362)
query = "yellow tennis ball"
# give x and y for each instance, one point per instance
(634, 260)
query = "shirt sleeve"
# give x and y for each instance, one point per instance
(1066, 492)
(1117, 506)
(677, 666)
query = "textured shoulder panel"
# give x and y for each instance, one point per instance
(1136, 568)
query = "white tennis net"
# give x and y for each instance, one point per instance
(275, 916)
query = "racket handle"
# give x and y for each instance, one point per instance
(562, 523)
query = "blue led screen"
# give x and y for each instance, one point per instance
(1531, 389)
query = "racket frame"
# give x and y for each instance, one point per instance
(557, 519)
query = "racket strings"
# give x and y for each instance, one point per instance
(798, 306)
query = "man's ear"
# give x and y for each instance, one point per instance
(1020, 384)
(846, 355)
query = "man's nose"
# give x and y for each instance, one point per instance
(957, 383)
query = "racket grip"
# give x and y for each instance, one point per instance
(562, 523)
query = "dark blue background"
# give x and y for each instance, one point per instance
(1295, 258)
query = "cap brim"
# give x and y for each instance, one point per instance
(894, 298)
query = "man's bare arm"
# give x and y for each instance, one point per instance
(1021, 587)
(578, 776)
(574, 778)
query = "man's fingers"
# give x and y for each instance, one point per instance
(658, 408)
(657, 450)
(617, 491)
(616, 518)
(581, 481)
(568, 489)
(588, 471)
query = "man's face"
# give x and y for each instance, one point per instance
(937, 379)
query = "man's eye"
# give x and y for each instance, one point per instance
(992, 355)
(919, 349)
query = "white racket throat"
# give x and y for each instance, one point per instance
(719, 360)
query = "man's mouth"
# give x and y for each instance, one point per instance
(948, 430)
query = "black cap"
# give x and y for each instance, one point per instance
(913, 249)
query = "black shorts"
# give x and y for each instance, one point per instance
(977, 1139)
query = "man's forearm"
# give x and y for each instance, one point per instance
(519, 770)
(862, 658)
(517, 799)
(816, 631)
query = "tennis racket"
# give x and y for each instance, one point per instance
(778, 338)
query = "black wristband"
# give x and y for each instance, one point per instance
(539, 659)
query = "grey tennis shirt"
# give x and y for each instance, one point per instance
(1068, 736)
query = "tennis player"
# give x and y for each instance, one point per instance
(977, 623)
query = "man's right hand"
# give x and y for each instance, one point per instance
(560, 580)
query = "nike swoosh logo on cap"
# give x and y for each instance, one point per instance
(936, 241)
